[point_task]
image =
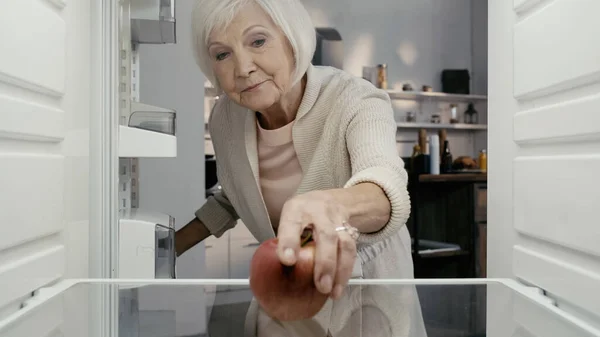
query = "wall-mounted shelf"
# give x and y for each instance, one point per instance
(139, 143)
(434, 96)
(430, 126)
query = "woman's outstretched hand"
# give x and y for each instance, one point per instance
(335, 249)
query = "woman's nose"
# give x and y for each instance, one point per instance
(244, 64)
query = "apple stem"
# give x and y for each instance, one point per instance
(306, 239)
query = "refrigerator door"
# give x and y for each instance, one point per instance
(545, 151)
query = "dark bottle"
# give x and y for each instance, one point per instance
(415, 157)
(446, 162)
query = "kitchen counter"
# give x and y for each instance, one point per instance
(457, 177)
(448, 209)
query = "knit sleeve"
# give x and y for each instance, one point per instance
(217, 214)
(371, 143)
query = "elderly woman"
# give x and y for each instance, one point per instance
(300, 146)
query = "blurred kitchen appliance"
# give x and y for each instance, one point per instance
(330, 49)
(369, 73)
(456, 81)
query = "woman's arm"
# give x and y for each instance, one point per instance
(215, 217)
(371, 144)
(190, 235)
(368, 207)
(374, 200)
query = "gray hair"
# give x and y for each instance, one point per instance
(289, 15)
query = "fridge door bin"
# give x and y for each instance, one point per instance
(152, 118)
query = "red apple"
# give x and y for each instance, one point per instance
(285, 293)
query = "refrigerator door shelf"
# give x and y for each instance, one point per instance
(146, 245)
(139, 143)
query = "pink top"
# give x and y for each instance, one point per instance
(280, 171)
(280, 175)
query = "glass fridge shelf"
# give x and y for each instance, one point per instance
(225, 308)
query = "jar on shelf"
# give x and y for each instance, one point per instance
(382, 76)
(453, 114)
(483, 160)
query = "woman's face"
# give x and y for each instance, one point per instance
(252, 59)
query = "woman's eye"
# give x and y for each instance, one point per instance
(221, 56)
(258, 43)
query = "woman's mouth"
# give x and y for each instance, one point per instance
(253, 87)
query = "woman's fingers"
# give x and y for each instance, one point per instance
(335, 252)
(345, 264)
(326, 254)
(288, 233)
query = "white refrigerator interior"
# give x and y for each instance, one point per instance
(67, 88)
(146, 236)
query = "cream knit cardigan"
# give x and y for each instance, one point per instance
(344, 134)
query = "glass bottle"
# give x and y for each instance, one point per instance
(382, 76)
(446, 163)
(483, 160)
(415, 154)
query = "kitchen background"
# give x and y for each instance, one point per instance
(417, 39)
(71, 114)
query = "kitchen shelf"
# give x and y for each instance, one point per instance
(457, 126)
(434, 96)
(453, 177)
(140, 143)
(441, 253)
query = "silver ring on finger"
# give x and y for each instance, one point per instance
(352, 231)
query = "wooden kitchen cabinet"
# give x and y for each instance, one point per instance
(217, 257)
(229, 256)
(240, 257)
(243, 245)
(450, 209)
